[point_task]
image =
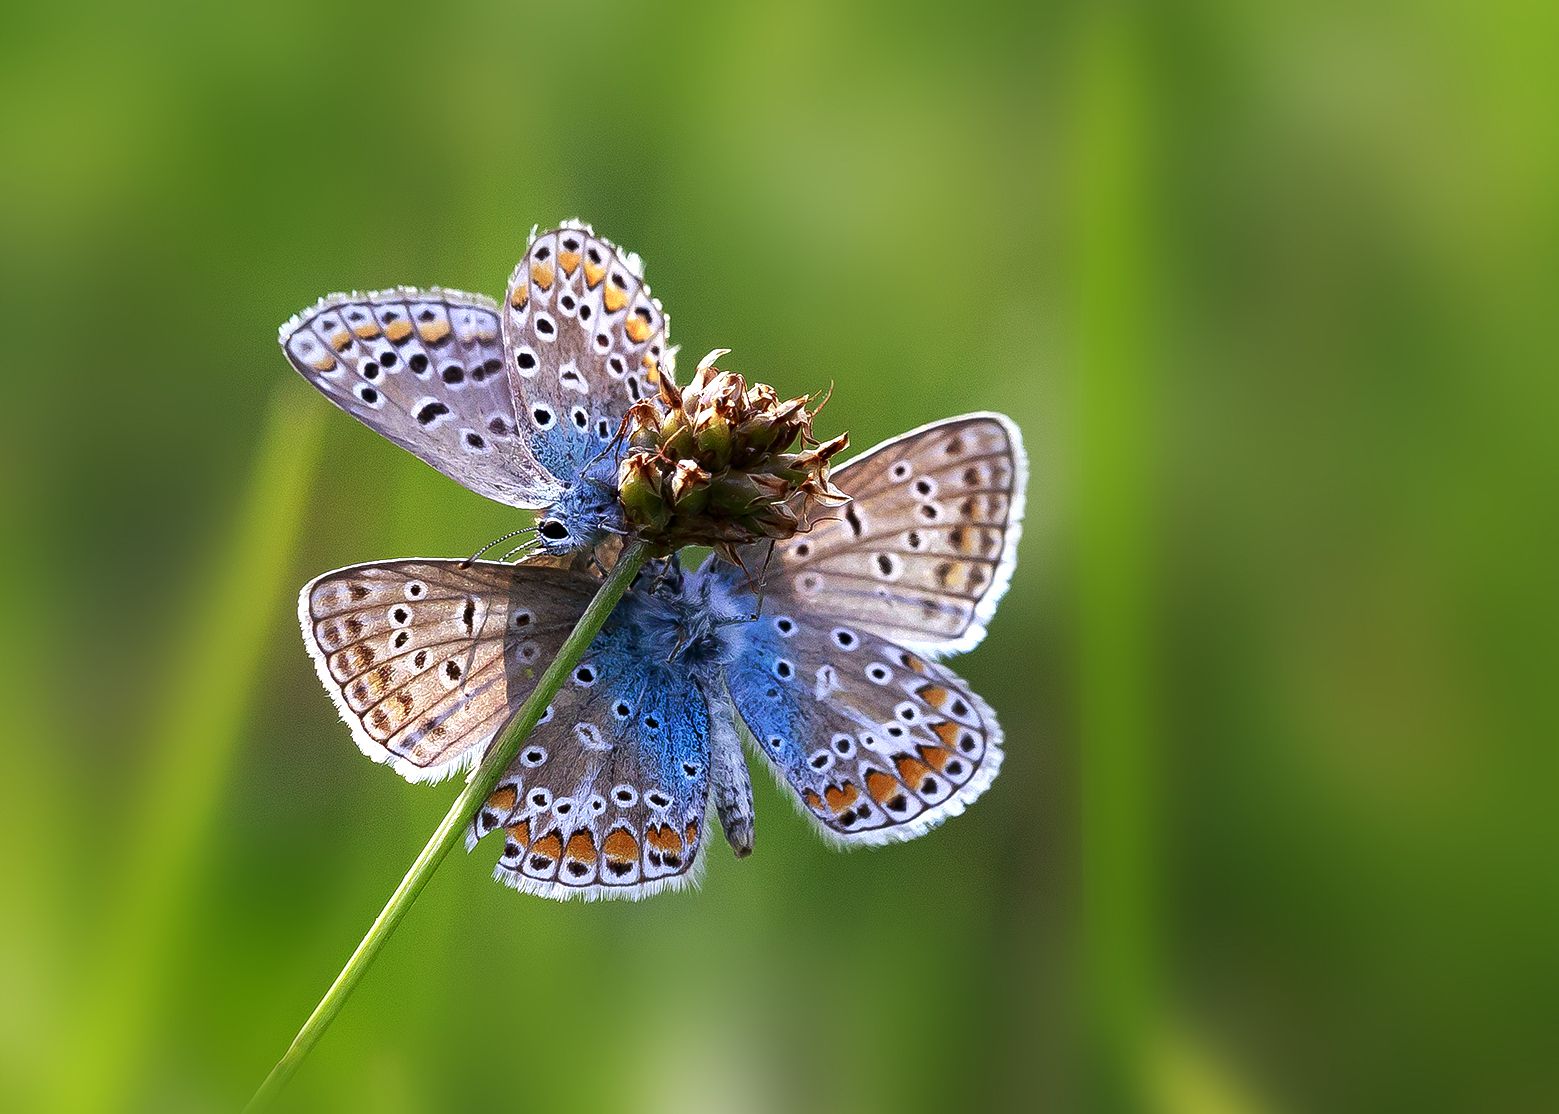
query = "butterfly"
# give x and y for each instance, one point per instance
(832, 676)
(520, 402)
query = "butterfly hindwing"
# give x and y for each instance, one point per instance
(426, 369)
(426, 660)
(925, 548)
(878, 742)
(584, 340)
(607, 796)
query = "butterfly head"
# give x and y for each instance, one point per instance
(582, 518)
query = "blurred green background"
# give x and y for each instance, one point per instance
(1270, 289)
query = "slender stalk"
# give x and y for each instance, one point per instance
(449, 830)
(1117, 276)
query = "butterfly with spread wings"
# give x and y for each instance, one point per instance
(520, 402)
(833, 677)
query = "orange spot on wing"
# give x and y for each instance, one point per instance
(367, 329)
(914, 663)
(569, 261)
(324, 363)
(433, 331)
(935, 757)
(912, 770)
(953, 575)
(813, 801)
(398, 330)
(841, 799)
(520, 833)
(379, 680)
(550, 845)
(541, 274)
(593, 275)
(581, 847)
(502, 800)
(946, 731)
(880, 786)
(690, 835)
(934, 695)
(620, 845)
(340, 340)
(520, 296)
(638, 329)
(615, 299)
(664, 838)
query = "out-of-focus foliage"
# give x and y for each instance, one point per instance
(1270, 289)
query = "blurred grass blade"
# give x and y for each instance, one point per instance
(212, 680)
(1188, 1078)
(1114, 507)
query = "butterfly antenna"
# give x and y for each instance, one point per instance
(469, 561)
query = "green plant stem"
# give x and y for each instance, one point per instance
(448, 832)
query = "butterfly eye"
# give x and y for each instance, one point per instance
(553, 530)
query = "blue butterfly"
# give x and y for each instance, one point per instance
(519, 402)
(832, 676)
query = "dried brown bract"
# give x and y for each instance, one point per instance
(722, 464)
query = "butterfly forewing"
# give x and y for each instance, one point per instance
(426, 660)
(879, 743)
(585, 340)
(926, 547)
(425, 368)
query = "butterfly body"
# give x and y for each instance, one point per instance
(520, 401)
(829, 668)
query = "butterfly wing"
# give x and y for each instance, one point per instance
(926, 547)
(877, 742)
(607, 797)
(425, 368)
(584, 340)
(426, 660)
